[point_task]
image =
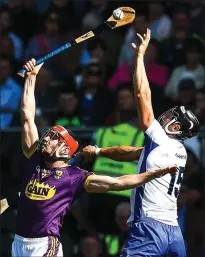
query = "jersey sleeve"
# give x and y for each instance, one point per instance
(79, 179)
(156, 133)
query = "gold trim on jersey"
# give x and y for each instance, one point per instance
(87, 181)
(54, 246)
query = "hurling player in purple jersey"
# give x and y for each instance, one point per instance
(49, 189)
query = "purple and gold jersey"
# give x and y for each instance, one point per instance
(46, 196)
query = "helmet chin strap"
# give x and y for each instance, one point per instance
(171, 132)
(58, 155)
(55, 158)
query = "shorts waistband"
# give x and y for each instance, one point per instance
(28, 241)
(151, 220)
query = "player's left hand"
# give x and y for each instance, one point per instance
(89, 151)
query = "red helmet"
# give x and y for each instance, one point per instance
(65, 138)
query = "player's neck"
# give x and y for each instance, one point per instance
(58, 164)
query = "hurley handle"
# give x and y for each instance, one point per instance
(22, 72)
(111, 23)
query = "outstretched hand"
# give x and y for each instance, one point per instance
(166, 170)
(31, 68)
(141, 49)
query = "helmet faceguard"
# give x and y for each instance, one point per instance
(64, 137)
(187, 120)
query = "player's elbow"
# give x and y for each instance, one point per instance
(26, 116)
(26, 152)
(143, 94)
(29, 149)
(146, 122)
(23, 113)
(145, 111)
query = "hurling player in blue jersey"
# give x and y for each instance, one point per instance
(153, 226)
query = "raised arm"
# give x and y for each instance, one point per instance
(141, 84)
(29, 135)
(116, 153)
(100, 184)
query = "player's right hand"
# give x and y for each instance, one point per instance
(163, 171)
(141, 49)
(31, 69)
(89, 151)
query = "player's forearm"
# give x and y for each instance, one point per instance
(142, 94)
(140, 81)
(28, 107)
(100, 184)
(29, 135)
(133, 181)
(121, 153)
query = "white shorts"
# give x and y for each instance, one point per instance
(38, 247)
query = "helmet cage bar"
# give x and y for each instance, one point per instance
(188, 121)
(173, 117)
(64, 137)
(51, 133)
(172, 132)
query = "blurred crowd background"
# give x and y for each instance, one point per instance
(89, 89)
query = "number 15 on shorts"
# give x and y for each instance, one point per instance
(175, 188)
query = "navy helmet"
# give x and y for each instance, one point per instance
(179, 114)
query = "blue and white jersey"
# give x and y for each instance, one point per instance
(158, 198)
